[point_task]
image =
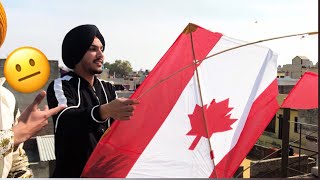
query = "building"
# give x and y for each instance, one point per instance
(300, 64)
(288, 76)
(302, 123)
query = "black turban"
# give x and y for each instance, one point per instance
(76, 43)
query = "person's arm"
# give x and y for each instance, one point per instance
(70, 120)
(19, 167)
(32, 119)
(75, 118)
(20, 164)
(118, 108)
(7, 141)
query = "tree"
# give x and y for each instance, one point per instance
(121, 68)
(106, 65)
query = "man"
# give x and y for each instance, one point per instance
(91, 103)
(16, 129)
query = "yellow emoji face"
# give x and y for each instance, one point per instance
(26, 69)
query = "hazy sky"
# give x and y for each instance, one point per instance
(141, 31)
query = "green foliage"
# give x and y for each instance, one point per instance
(121, 68)
(106, 65)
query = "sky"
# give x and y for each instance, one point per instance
(141, 31)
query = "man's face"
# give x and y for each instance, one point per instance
(92, 61)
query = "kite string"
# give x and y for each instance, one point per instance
(259, 41)
(164, 79)
(196, 62)
(199, 61)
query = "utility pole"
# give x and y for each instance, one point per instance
(285, 142)
(301, 69)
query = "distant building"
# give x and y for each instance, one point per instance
(286, 84)
(130, 82)
(300, 65)
(281, 75)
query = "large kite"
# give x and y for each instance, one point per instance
(200, 111)
(304, 94)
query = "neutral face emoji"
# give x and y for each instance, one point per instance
(26, 69)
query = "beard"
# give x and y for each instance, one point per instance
(95, 71)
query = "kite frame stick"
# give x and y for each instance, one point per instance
(195, 62)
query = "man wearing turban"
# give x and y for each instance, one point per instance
(92, 104)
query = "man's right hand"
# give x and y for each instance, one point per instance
(120, 109)
(32, 119)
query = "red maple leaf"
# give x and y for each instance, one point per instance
(217, 120)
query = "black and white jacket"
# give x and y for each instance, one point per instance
(79, 126)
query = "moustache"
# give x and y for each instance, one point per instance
(98, 60)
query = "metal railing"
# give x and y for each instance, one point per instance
(301, 136)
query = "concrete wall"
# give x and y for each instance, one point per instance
(42, 169)
(310, 117)
(285, 89)
(271, 168)
(302, 60)
(295, 71)
(259, 152)
(299, 66)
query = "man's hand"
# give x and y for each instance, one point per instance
(120, 109)
(32, 119)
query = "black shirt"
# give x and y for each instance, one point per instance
(79, 126)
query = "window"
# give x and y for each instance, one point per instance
(285, 89)
(272, 125)
(296, 124)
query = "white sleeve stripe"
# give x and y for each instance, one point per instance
(95, 118)
(70, 106)
(58, 91)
